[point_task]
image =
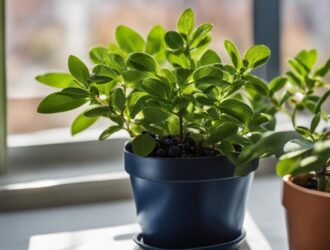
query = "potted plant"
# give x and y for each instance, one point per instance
(304, 154)
(189, 115)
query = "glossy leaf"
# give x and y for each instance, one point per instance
(118, 99)
(256, 56)
(57, 80)
(108, 132)
(324, 69)
(233, 54)
(223, 131)
(202, 31)
(128, 39)
(236, 109)
(155, 87)
(81, 122)
(78, 70)
(142, 62)
(155, 40)
(277, 84)
(143, 145)
(174, 40)
(57, 102)
(96, 54)
(186, 22)
(155, 115)
(209, 57)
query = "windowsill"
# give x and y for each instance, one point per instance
(38, 177)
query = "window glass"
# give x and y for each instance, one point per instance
(305, 24)
(42, 33)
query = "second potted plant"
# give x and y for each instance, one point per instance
(304, 154)
(189, 115)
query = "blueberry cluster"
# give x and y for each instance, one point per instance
(312, 183)
(170, 146)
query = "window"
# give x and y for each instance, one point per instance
(305, 24)
(42, 33)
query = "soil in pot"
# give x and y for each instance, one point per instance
(307, 213)
(170, 146)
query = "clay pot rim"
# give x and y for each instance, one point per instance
(288, 181)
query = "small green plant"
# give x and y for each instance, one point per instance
(303, 89)
(170, 83)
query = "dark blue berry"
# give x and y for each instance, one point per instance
(175, 140)
(160, 152)
(173, 151)
(168, 142)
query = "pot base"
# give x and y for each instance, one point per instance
(230, 245)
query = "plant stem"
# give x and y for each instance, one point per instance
(322, 179)
(181, 125)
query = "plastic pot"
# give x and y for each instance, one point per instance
(187, 203)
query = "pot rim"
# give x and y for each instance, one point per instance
(172, 158)
(288, 181)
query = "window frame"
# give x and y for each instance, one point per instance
(3, 95)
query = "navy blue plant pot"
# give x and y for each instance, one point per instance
(187, 203)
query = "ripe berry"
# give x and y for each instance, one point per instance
(160, 152)
(173, 151)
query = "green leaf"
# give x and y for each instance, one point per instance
(236, 109)
(58, 102)
(307, 58)
(129, 40)
(142, 62)
(257, 84)
(321, 101)
(155, 115)
(180, 104)
(116, 62)
(96, 54)
(155, 40)
(223, 131)
(57, 80)
(209, 57)
(155, 87)
(174, 40)
(208, 74)
(297, 145)
(186, 22)
(271, 143)
(203, 99)
(202, 31)
(108, 132)
(78, 70)
(118, 99)
(96, 111)
(81, 122)
(177, 60)
(315, 122)
(233, 54)
(143, 145)
(277, 84)
(132, 75)
(103, 74)
(256, 56)
(323, 70)
(136, 103)
(74, 93)
(298, 67)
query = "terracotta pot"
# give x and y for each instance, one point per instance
(307, 214)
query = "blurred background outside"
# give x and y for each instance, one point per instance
(43, 33)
